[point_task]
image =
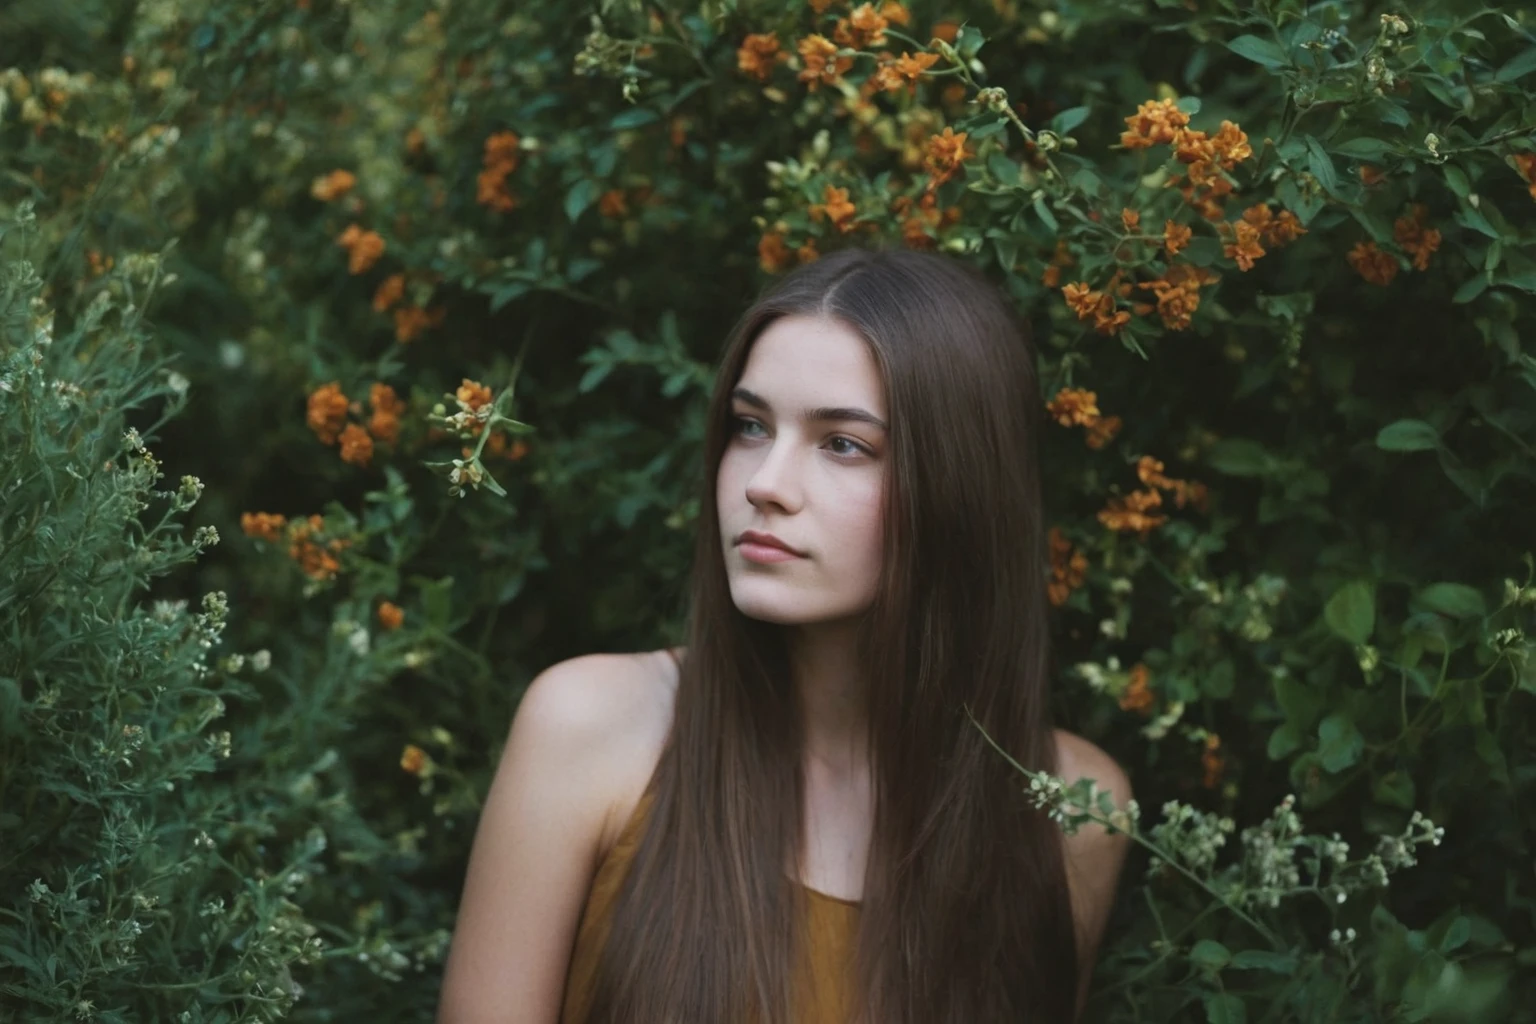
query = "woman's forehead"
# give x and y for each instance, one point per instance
(813, 361)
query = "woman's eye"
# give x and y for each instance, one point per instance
(852, 447)
(742, 425)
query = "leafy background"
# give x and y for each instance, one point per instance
(1279, 263)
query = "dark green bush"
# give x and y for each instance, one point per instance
(1293, 543)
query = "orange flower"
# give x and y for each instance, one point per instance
(894, 11)
(613, 204)
(1525, 163)
(363, 247)
(1074, 407)
(1154, 123)
(1245, 246)
(410, 321)
(473, 394)
(902, 71)
(1415, 239)
(356, 445)
(1130, 220)
(1129, 514)
(946, 30)
(772, 254)
(808, 252)
(1176, 236)
(1081, 299)
(1137, 696)
(391, 615)
(945, 154)
(389, 292)
(1372, 264)
(919, 220)
(262, 525)
(499, 160)
(315, 561)
(816, 51)
(384, 425)
(1178, 293)
(1212, 761)
(414, 760)
(758, 54)
(326, 412)
(329, 187)
(1230, 145)
(864, 27)
(1285, 228)
(820, 6)
(1370, 175)
(835, 207)
(1103, 431)
(1068, 568)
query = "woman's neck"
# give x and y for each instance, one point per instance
(833, 698)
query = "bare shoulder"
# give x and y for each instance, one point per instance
(1094, 855)
(613, 712)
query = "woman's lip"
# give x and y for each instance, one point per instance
(754, 552)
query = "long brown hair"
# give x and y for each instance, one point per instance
(965, 914)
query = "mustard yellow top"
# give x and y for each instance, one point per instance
(821, 994)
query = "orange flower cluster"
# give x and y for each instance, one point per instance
(1212, 761)
(775, 256)
(330, 187)
(326, 412)
(836, 208)
(758, 54)
(499, 160)
(1259, 223)
(1069, 567)
(613, 203)
(1371, 263)
(1176, 236)
(945, 156)
(1371, 175)
(1416, 239)
(391, 616)
(1131, 513)
(864, 27)
(410, 319)
(414, 760)
(896, 72)
(318, 561)
(1062, 257)
(919, 220)
(384, 424)
(262, 525)
(1525, 163)
(1161, 122)
(1138, 696)
(1075, 407)
(1178, 294)
(1086, 303)
(356, 445)
(821, 65)
(99, 265)
(363, 248)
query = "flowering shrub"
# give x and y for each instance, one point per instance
(446, 288)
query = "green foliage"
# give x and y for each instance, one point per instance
(1294, 540)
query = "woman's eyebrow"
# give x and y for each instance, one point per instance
(824, 414)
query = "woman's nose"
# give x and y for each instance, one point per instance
(775, 481)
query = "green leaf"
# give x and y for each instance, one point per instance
(1264, 960)
(1395, 789)
(1456, 180)
(1224, 1008)
(1068, 119)
(581, 196)
(1456, 935)
(1321, 165)
(1407, 436)
(1339, 742)
(1300, 702)
(1210, 955)
(1470, 289)
(1238, 456)
(1351, 611)
(1260, 51)
(1520, 65)
(1046, 216)
(1456, 600)
(1363, 148)
(633, 118)
(1285, 740)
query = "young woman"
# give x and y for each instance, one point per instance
(794, 817)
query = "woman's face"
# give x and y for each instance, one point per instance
(805, 462)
